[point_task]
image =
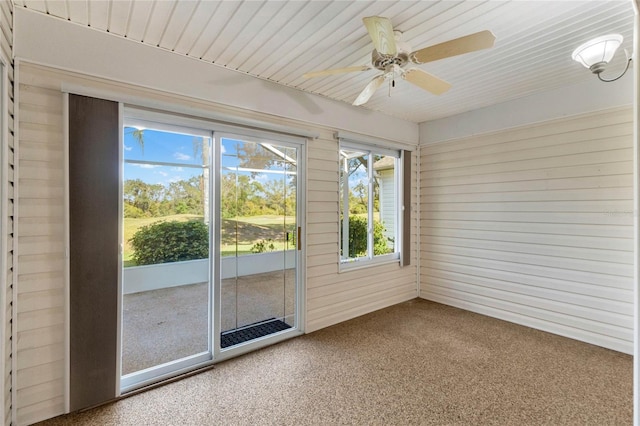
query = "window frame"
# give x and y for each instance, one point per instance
(348, 264)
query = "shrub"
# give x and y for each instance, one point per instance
(263, 245)
(358, 237)
(163, 242)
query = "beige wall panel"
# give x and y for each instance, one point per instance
(351, 296)
(605, 280)
(39, 319)
(323, 175)
(44, 373)
(41, 410)
(534, 225)
(320, 249)
(8, 194)
(519, 147)
(34, 394)
(614, 311)
(618, 232)
(42, 354)
(524, 176)
(35, 282)
(322, 196)
(40, 301)
(323, 154)
(322, 207)
(611, 243)
(327, 316)
(325, 287)
(587, 122)
(577, 159)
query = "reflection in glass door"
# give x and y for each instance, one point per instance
(258, 239)
(166, 262)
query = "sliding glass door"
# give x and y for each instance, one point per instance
(210, 246)
(258, 238)
(166, 258)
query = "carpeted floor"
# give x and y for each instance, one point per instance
(414, 363)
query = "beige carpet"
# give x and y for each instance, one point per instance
(414, 363)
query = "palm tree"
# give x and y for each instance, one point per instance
(138, 135)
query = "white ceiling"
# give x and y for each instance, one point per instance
(279, 41)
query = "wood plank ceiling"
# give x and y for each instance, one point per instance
(279, 41)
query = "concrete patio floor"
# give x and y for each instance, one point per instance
(164, 325)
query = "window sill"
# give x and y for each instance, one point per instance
(366, 264)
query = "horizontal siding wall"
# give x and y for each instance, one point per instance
(6, 48)
(334, 296)
(535, 225)
(331, 296)
(40, 306)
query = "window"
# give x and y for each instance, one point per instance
(369, 204)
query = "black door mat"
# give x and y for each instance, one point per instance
(254, 331)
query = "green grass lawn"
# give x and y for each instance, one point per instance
(237, 236)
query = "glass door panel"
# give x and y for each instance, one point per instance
(166, 262)
(292, 237)
(258, 239)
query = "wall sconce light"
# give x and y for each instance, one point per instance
(597, 53)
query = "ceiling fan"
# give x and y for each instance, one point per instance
(391, 56)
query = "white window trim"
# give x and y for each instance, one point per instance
(371, 259)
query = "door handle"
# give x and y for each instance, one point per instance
(298, 241)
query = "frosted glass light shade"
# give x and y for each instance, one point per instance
(600, 49)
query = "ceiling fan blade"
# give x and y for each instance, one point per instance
(458, 46)
(381, 33)
(336, 71)
(426, 81)
(368, 91)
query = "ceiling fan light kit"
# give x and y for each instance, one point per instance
(598, 52)
(391, 55)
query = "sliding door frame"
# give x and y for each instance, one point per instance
(281, 140)
(215, 354)
(179, 366)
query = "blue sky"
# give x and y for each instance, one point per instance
(162, 147)
(177, 149)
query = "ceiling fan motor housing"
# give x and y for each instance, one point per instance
(382, 62)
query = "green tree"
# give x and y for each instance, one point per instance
(143, 196)
(358, 237)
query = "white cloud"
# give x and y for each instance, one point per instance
(222, 149)
(180, 156)
(145, 166)
(128, 148)
(177, 169)
(165, 174)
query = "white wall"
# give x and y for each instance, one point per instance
(534, 225)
